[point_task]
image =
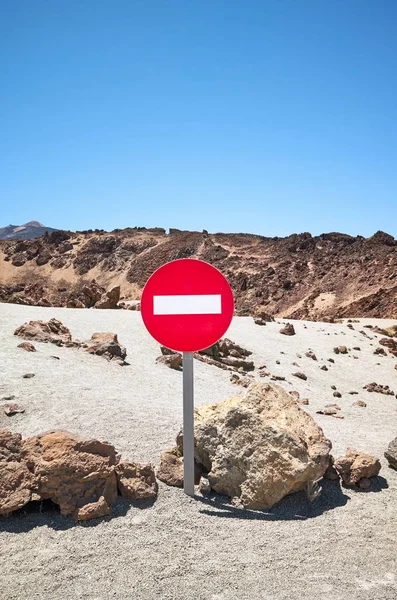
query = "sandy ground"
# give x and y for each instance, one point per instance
(341, 547)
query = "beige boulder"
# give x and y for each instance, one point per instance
(259, 447)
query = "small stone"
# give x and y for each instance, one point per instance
(331, 360)
(333, 406)
(357, 348)
(324, 368)
(13, 409)
(27, 346)
(56, 357)
(204, 485)
(300, 375)
(288, 329)
(311, 355)
(294, 394)
(327, 411)
(353, 393)
(304, 401)
(333, 387)
(360, 404)
(337, 395)
(28, 375)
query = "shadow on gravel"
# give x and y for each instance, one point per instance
(46, 514)
(295, 507)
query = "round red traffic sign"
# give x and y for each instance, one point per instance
(187, 305)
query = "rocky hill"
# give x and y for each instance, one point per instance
(27, 231)
(300, 276)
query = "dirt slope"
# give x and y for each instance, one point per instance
(300, 276)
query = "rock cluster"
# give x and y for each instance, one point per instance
(82, 476)
(227, 355)
(379, 389)
(53, 331)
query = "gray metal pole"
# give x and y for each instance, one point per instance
(188, 424)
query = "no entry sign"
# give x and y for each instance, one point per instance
(187, 305)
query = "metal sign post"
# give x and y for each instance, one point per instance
(188, 424)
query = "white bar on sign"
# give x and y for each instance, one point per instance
(187, 304)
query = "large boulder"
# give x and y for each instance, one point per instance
(391, 453)
(52, 331)
(106, 345)
(81, 475)
(259, 447)
(110, 299)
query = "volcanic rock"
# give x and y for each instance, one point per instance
(355, 466)
(378, 388)
(300, 375)
(52, 331)
(13, 409)
(259, 447)
(391, 453)
(288, 329)
(170, 470)
(80, 475)
(136, 481)
(106, 345)
(27, 346)
(173, 361)
(110, 299)
(390, 344)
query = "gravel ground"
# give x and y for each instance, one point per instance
(341, 547)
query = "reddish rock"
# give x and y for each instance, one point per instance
(355, 466)
(106, 345)
(288, 329)
(13, 409)
(27, 346)
(170, 470)
(136, 481)
(173, 361)
(52, 331)
(80, 475)
(378, 388)
(110, 299)
(390, 344)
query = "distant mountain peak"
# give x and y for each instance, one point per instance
(28, 231)
(33, 224)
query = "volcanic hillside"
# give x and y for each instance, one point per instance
(300, 276)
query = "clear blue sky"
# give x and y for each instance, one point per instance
(264, 116)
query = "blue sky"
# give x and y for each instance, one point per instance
(270, 117)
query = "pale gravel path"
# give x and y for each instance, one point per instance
(342, 547)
